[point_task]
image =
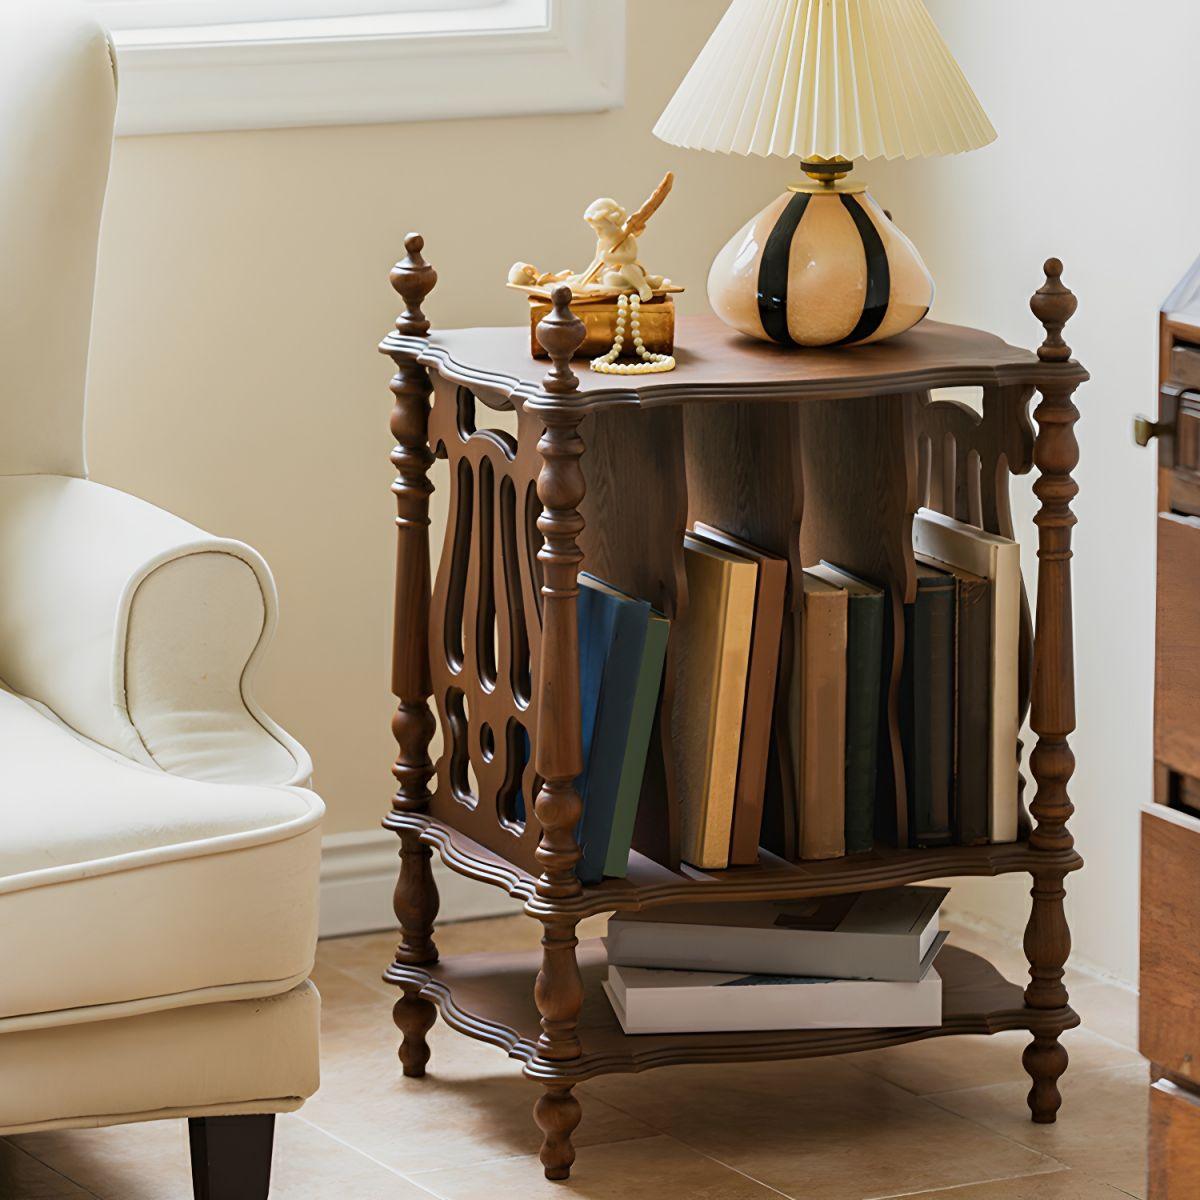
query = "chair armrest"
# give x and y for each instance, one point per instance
(138, 630)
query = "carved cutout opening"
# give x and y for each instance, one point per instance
(466, 413)
(964, 397)
(511, 802)
(461, 774)
(485, 616)
(460, 560)
(518, 634)
(534, 542)
(487, 742)
(503, 435)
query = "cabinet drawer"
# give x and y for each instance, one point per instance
(1174, 1142)
(1169, 1009)
(1185, 366)
(1177, 645)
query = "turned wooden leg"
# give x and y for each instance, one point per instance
(557, 1113)
(231, 1157)
(1052, 708)
(559, 995)
(414, 1017)
(558, 751)
(416, 903)
(1045, 1059)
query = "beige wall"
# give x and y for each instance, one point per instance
(1079, 94)
(243, 288)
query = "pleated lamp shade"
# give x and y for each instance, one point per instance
(826, 78)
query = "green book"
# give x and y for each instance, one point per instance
(864, 693)
(927, 707)
(641, 725)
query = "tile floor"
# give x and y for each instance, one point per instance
(944, 1119)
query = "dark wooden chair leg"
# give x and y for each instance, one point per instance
(231, 1157)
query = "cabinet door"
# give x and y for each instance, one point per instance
(1177, 647)
(1169, 1017)
(1174, 1143)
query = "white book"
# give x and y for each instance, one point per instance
(648, 1001)
(884, 934)
(999, 560)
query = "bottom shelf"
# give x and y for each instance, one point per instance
(490, 997)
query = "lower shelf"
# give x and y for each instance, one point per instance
(649, 883)
(490, 997)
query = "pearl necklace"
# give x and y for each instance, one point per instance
(629, 309)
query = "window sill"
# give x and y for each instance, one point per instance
(368, 70)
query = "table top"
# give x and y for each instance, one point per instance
(717, 364)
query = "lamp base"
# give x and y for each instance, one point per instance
(820, 266)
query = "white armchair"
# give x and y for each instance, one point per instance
(159, 849)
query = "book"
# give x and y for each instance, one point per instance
(997, 559)
(927, 707)
(712, 667)
(650, 1001)
(862, 935)
(972, 703)
(819, 720)
(641, 726)
(614, 677)
(864, 694)
(757, 718)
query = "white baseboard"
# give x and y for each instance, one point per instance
(358, 876)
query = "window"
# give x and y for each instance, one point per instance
(244, 64)
(172, 14)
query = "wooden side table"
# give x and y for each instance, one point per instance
(823, 453)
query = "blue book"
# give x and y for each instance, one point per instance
(612, 674)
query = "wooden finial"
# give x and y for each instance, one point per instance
(1054, 305)
(560, 334)
(414, 279)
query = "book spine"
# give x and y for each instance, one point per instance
(823, 727)
(973, 754)
(864, 685)
(610, 738)
(641, 726)
(765, 642)
(929, 753)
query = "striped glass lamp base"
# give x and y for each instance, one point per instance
(823, 268)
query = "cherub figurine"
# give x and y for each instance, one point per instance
(617, 252)
(615, 270)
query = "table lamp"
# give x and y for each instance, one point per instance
(827, 81)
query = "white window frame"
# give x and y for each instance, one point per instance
(432, 61)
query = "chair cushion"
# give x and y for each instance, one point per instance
(207, 1060)
(125, 889)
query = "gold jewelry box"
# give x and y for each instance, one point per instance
(656, 320)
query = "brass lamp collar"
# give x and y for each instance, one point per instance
(827, 175)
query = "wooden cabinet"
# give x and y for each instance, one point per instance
(1170, 949)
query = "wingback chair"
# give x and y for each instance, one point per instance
(159, 848)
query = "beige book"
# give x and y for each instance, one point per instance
(819, 719)
(712, 662)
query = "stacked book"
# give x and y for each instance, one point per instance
(860, 961)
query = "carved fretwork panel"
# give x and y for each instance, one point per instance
(484, 625)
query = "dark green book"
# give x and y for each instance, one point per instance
(622, 648)
(864, 692)
(927, 707)
(972, 703)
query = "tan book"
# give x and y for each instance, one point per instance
(819, 719)
(712, 662)
(760, 692)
